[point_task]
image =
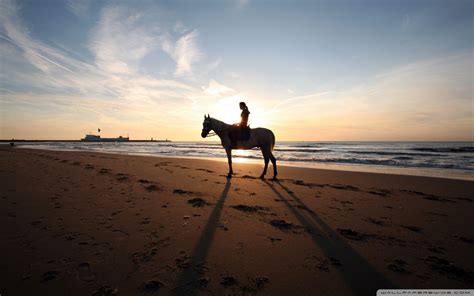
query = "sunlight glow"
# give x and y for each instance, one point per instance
(227, 110)
(241, 156)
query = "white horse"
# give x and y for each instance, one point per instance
(259, 137)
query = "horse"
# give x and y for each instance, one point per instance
(259, 137)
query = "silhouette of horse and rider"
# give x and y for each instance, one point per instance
(241, 136)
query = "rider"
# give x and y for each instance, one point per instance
(244, 115)
(241, 129)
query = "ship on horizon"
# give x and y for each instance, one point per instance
(97, 138)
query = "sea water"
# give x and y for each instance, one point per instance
(442, 159)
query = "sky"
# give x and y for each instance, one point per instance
(353, 70)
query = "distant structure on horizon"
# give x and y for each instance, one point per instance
(97, 138)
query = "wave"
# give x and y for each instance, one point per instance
(446, 149)
(196, 146)
(305, 146)
(403, 158)
(452, 156)
(393, 153)
(302, 150)
(315, 145)
(384, 162)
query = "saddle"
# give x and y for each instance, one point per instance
(239, 133)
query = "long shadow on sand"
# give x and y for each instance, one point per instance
(359, 275)
(191, 278)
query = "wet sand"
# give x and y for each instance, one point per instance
(82, 223)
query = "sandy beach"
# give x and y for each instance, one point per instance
(82, 223)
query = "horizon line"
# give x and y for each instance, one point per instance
(169, 140)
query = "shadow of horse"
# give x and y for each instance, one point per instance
(360, 276)
(191, 279)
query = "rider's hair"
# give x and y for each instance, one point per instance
(243, 103)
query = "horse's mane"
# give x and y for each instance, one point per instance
(219, 121)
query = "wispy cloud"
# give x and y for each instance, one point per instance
(410, 102)
(120, 40)
(112, 86)
(186, 53)
(214, 88)
(80, 8)
(293, 100)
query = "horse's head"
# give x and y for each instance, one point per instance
(206, 126)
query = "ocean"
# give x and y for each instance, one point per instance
(440, 159)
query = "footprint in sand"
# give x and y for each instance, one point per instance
(229, 281)
(274, 239)
(121, 177)
(151, 286)
(374, 221)
(205, 170)
(105, 291)
(380, 192)
(320, 263)
(437, 250)
(250, 288)
(49, 275)
(84, 272)
(449, 269)
(104, 171)
(151, 188)
(185, 192)
(398, 266)
(248, 209)
(284, 225)
(198, 202)
(466, 239)
(412, 228)
(352, 234)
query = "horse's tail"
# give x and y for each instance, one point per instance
(273, 140)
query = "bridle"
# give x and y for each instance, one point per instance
(212, 134)
(209, 134)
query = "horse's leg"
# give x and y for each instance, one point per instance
(229, 160)
(266, 158)
(274, 163)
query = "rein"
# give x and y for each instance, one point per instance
(212, 134)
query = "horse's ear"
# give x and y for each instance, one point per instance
(204, 116)
(208, 116)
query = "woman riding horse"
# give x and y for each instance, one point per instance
(258, 137)
(241, 131)
(244, 116)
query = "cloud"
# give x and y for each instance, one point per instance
(39, 78)
(125, 35)
(121, 39)
(297, 99)
(426, 100)
(216, 89)
(79, 8)
(186, 53)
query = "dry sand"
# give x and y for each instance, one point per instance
(78, 223)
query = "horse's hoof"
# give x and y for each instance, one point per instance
(274, 179)
(262, 177)
(229, 176)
